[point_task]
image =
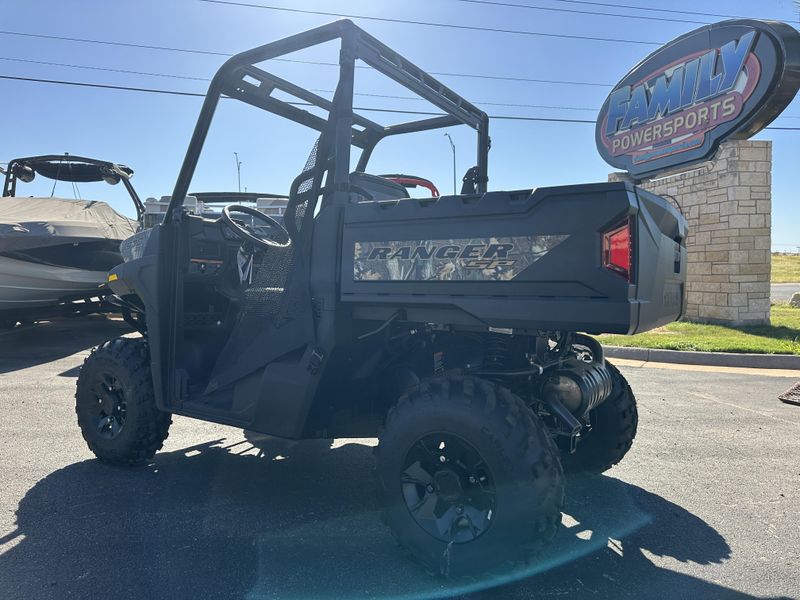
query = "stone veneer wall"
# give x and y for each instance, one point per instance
(728, 205)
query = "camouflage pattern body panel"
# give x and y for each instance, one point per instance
(463, 259)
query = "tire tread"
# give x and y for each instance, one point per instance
(518, 429)
(152, 427)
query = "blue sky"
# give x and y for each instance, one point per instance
(150, 132)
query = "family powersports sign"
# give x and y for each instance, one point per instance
(729, 79)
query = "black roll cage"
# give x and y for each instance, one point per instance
(81, 174)
(239, 78)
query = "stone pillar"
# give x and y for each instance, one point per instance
(728, 205)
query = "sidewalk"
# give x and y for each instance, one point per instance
(718, 359)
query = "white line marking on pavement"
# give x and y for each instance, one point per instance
(718, 401)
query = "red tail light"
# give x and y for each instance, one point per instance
(618, 250)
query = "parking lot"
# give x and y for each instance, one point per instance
(706, 505)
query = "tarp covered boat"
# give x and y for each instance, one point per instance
(54, 251)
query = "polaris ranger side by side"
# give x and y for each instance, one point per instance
(454, 329)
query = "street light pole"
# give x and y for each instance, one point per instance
(453, 148)
(238, 171)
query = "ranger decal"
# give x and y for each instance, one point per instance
(463, 259)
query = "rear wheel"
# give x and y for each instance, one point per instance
(115, 404)
(613, 428)
(470, 477)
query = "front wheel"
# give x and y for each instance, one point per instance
(115, 404)
(613, 427)
(470, 477)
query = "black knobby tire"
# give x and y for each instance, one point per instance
(613, 428)
(115, 404)
(519, 457)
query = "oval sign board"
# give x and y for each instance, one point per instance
(729, 79)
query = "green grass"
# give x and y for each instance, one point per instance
(785, 268)
(782, 337)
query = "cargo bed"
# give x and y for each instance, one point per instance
(559, 258)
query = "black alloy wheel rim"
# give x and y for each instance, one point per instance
(109, 410)
(448, 488)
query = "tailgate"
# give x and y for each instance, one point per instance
(660, 270)
(526, 260)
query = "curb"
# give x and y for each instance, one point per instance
(714, 359)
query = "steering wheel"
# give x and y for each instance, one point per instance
(247, 234)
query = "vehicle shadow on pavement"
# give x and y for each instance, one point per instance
(282, 520)
(30, 345)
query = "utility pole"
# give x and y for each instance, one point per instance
(238, 171)
(453, 148)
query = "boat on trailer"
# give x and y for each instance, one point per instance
(55, 253)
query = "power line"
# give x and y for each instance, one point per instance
(108, 43)
(102, 86)
(580, 12)
(199, 95)
(386, 96)
(323, 13)
(651, 9)
(291, 60)
(521, 79)
(105, 69)
(205, 79)
(359, 108)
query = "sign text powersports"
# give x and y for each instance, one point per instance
(675, 108)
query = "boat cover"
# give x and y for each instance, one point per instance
(36, 222)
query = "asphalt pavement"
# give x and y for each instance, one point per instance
(782, 292)
(706, 504)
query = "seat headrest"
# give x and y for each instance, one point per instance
(370, 188)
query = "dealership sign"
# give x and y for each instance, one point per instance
(727, 80)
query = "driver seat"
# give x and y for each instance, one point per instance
(273, 304)
(264, 296)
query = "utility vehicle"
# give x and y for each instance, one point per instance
(447, 327)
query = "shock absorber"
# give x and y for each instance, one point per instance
(498, 351)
